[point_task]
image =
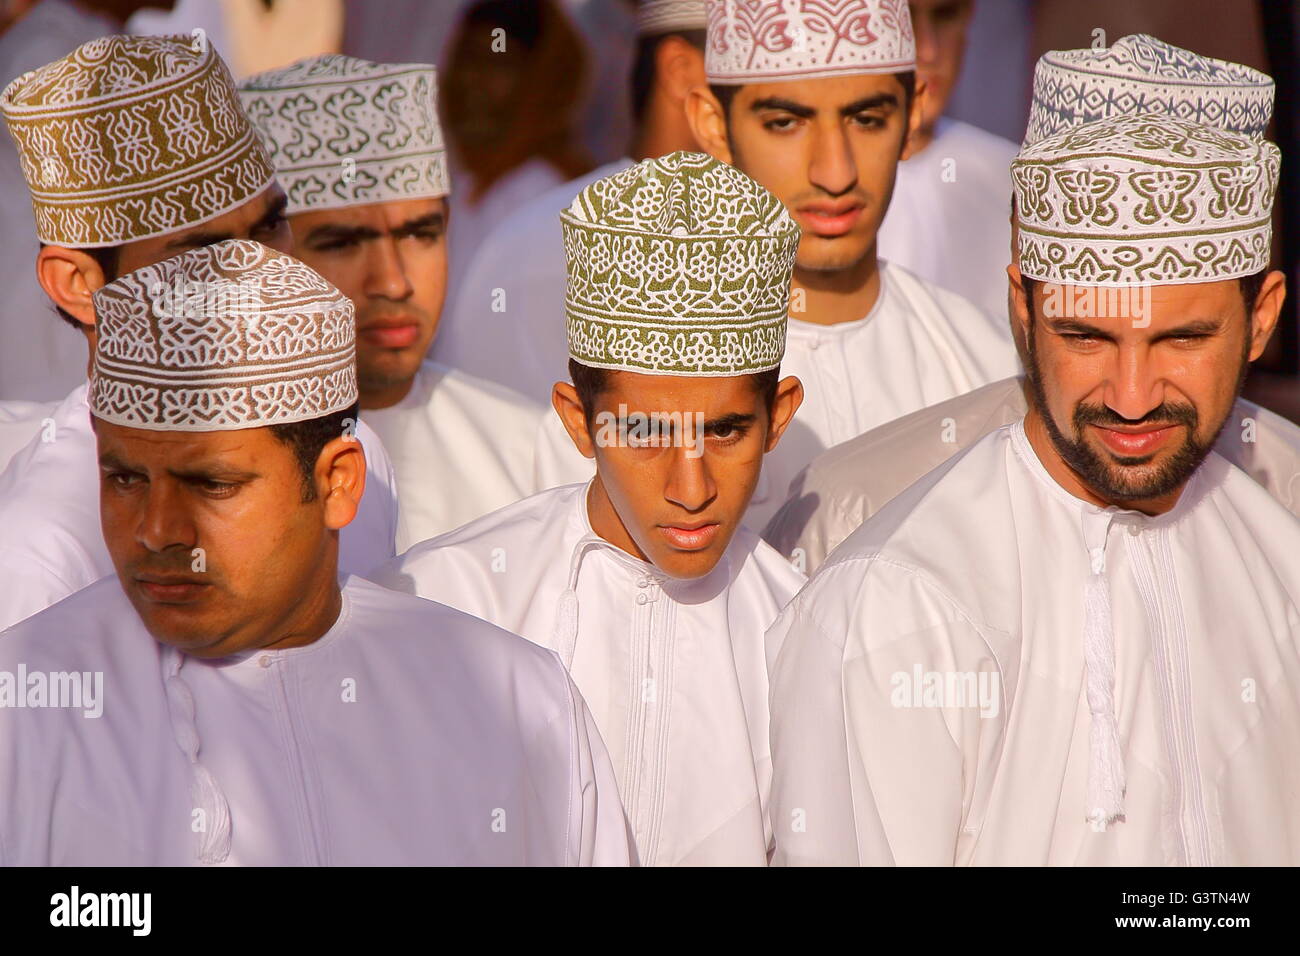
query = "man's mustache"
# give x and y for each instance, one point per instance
(1162, 416)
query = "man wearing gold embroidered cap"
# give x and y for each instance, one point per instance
(642, 578)
(227, 608)
(135, 149)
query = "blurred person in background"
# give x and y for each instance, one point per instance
(514, 73)
(505, 322)
(947, 221)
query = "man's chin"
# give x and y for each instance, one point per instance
(1139, 478)
(817, 254)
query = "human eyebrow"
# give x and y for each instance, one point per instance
(108, 461)
(786, 106)
(430, 221)
(1075, 327)
(876, 101)
(211, 471)
(198, 238)
(274, 214)
(336, 232)
(1193, 327)
(731, 420)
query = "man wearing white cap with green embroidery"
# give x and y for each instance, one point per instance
(817, 101)
(642, 578)
(135, 149)
(249, 706)
(360, 152)
(850, 482)
(1074, 643)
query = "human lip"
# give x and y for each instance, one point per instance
(693, 537)
(1134, 442)
(170, 589)
(395, 333)
(831, 219)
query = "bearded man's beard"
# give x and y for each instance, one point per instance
(1124, 479)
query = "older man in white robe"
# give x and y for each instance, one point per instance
(134, 149)
(642, 578)
(1076, 642)
(852, 481)
(235, 701)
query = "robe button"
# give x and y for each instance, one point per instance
(1134, 529)
(643, 582)
(813, 345)
(641, 599)
(264, 660)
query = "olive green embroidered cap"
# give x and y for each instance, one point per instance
(679, 265)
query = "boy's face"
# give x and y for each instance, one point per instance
(677, 459)
(828, 148)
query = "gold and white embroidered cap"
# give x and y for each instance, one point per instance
(347, 132)
(764, 41)
(129, 137)
(227, 336)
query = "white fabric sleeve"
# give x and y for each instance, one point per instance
(606, 839)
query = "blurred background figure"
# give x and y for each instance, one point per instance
(513, 76)
(947, 221)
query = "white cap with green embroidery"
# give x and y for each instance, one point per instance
(1144, 200)
(679, 265)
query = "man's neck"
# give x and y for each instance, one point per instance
(664, 130)
(386, 395)
(1069, 479)
(317, 615)
(604, 520)
(922, 139)
(832, 298)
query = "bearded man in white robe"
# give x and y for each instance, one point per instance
(1075, 642)
(849, 483)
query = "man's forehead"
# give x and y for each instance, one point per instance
(375, 215)
(647, 393)
(830, 92)
(144, 444)
(1140, 307)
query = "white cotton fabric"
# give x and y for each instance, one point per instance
(460, 447)
(949, 220)
(409, 734)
